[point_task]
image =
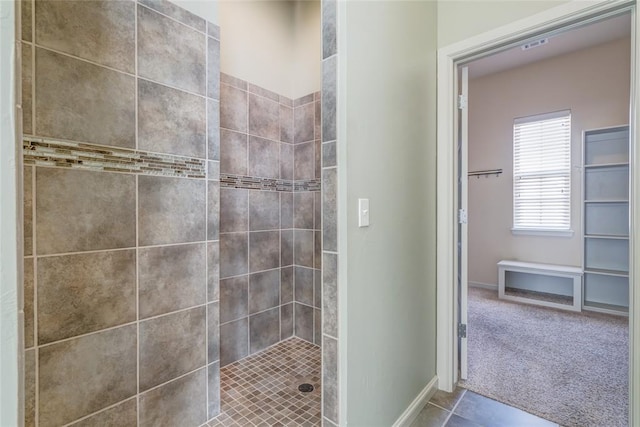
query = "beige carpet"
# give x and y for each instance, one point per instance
(570, 368)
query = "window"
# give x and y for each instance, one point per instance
(542, 172)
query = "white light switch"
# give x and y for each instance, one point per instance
(363, 212)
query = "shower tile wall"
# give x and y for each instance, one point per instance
(330, 183)
(121, 199)
(269, 214)
(307, 219)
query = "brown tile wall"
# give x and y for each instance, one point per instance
(121, 213)
(269, 218)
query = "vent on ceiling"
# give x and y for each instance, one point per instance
(534, 44)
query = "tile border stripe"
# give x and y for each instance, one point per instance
(228, 180)
(49, 152)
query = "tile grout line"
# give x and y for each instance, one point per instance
(137, 311)
(137, 241)
(206, 22)
(248, 133)
(251, 273)
(110, 68)
(34, 249)
(105, 409)
(437, 406)
(248, 91)
(206, 222)
(131, 323)
(280, 254)
(330, 336)
(293, 248)
(280, 174)
(137, 236)
(454, 408)
(129, 248)
(248, 329)
(248, 315)
(87, 334)
(179, 377)
(33, 66)
(313, 242)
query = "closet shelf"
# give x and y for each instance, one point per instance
(605, 220)
(606, 308)
(607, 201)
(606, 236)
(603, 272)
(605, 165)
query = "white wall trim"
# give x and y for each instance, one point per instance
(490, 286)
(413, 410)
(550, 20)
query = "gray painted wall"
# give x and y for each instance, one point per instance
(388, 96)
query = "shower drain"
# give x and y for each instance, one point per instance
(305, 388)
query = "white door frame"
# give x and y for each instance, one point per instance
(446, 238)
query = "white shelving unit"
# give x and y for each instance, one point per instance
(605, 219)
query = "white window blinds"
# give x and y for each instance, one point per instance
(542, 172)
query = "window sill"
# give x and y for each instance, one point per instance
(547, 233)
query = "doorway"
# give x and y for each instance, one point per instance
(535, 342)
(553, 23)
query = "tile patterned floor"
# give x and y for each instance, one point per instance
(262, 389)
(464, 408)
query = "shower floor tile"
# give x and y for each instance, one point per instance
(262, 389)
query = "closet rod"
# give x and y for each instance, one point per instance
(487, 172)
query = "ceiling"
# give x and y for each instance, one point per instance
(560, 44)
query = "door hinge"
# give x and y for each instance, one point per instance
(462, 330)
(462, 216)
(462, 102)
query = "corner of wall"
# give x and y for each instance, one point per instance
(9, 294)
(416, 406)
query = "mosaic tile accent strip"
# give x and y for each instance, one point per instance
(262, 389)
(78, 155)
(254, 183)
(308, 185)
(269, 184)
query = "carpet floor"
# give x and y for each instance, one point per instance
(570, 368)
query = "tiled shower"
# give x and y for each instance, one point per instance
(121, 153)
(172, 216)
(269, 218)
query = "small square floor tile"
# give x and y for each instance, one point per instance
(262, 389)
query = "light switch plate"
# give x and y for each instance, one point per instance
(363, 212)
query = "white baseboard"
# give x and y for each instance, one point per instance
(483, 285)
(413, 410)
